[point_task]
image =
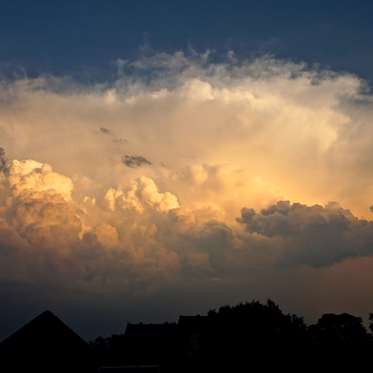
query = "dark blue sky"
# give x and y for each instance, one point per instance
(83, 38)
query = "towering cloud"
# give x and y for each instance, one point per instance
(245, 159)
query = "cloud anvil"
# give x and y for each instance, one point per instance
(225, 178)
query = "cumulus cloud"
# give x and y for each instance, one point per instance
(314, 235)
(143, 193)
(32, 177)
(228, 144)
(38, 205)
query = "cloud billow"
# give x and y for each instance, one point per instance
(230, 145)
(312, 235)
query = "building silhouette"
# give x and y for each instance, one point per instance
(246, 337)
(46, 344)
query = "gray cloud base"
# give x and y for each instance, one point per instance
(312, 235)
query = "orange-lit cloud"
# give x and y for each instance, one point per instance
(149, 183)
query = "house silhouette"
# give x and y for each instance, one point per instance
(45, 344)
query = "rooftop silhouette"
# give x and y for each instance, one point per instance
(239, 338)
(46, 344)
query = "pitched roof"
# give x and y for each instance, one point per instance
(44, 341)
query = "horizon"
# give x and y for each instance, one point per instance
(48, 316)
(197, 343)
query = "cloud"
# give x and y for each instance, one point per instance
(38, 205)
(312, 235)
(226, 140)
(30, 177)
(104, 130)
(134, 161)
(3, 161)
(142, 194)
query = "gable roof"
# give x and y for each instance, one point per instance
(44, 341)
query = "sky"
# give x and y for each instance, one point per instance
(165, 158)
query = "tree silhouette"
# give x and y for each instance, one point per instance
(248, 336)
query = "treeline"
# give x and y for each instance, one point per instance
(240, 338)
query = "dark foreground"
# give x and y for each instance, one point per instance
(243, 338)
